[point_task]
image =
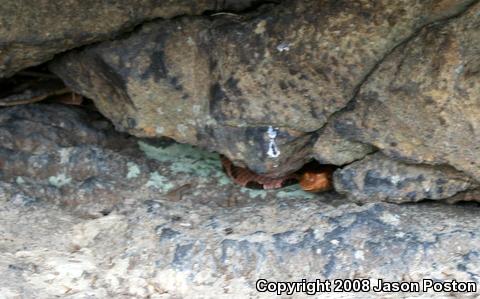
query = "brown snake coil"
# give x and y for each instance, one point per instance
(313, 180)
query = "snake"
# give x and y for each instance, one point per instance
(313, 177)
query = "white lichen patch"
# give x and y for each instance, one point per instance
(65, 154)
(160, 182)
(261, 27)
(395, 179)
(182, 129)
(196, 109)
(294, 191)
(159, 130)
(133, 170)
(190, 41)
(59, 180)
(359, 255)
(389, 218)
(284, 46)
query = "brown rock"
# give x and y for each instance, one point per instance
(285, 69)
(423, 103)
(31, 32)
(332, 148)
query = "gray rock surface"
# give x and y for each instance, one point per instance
(71, 156)
(286, 68)
(332, 148)
(470, 195)
(378, 178)
(155, 248)
(65, 155)
(86, 212)
(422, 104)
(32, 32)
(387, 89)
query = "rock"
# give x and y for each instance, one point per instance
(378, 178)
(33, 32)
(285, 69)
(332, 148)
(70, 156)
(470, 195)
(422, 104)
(65, 155)
(144, 249)
(104, 215)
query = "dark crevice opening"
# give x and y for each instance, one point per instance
(39, 85)
(231, 7)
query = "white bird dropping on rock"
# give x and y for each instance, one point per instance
(273, 151)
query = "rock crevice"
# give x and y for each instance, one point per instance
(332, 81)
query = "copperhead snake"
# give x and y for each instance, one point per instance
(314, 179)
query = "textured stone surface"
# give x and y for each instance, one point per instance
(289, 66)
(32, 32)
(153, 248)
(377, 177)
(423, 103)
(332, 148)
(70, 157)
(87, 212)
(65, 155)
(470, 195)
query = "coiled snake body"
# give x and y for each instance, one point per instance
(311, 178)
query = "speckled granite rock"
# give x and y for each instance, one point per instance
(31, 32)
(270, 78)
(377, 177)
(422, 104)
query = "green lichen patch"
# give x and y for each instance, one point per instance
(159, 182)
(252, 193)
(59, 180)
(294, 192)
(185, 158)
(19, 180)
(206, 166)
(133, 170)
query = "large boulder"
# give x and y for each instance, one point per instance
(31, 32)
(253, 87)
(422, 104)
(378, 178)
(160, 249)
